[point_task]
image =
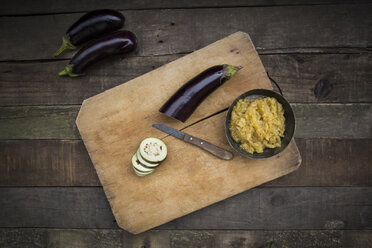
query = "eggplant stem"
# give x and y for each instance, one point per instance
(229, 70)
(66, 44)
(68, 72)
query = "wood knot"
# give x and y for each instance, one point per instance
(323, 88)
(235, 50)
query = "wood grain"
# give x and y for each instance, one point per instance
(250, 239)
(36, 83)
(30, 163)
(321, 122)
(325, 162)
(108, 238)
(22, 7)
(60, 238)
(46, 163)
(269, 209)
(331, 162)
(106, 118)
(55, 207)
(39, 122)
(298, 74)
(303, 26)
(332, 26)
(313, 121)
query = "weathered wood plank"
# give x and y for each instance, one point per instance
(358, 239)
(325, 162)
(343, 76)
(333, 120)
(313, 121)
(37, 83)
(331, 162)
(55, 207)
(41, 122)
(22, 7)
(250, 239)
(253, 239)
(58, 238)
(46, 163)
(61, 238)
(269, 208)
(171, 31)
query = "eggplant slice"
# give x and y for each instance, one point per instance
(139, 167)
(144, 161)
(141, 174)
(153, 150)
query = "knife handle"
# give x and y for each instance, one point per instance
(215, 150)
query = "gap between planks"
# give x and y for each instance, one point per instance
(261, 51)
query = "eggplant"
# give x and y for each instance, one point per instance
(153, 150)
(90, 26)
(114, 43)
(136, 164)
(187, 98)
(144, 161)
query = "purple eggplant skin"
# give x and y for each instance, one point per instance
(119, 42)
(187, 98)
(91, 26)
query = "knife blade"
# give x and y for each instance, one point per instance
(205, 145)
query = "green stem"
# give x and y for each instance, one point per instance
(230, 70)
(68, 72)
(66, 44)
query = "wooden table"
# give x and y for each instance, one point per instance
(318, 52)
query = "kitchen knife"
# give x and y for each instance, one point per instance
(215, 150)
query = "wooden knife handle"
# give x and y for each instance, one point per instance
(215, 150)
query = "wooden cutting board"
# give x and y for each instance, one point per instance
(112, 125)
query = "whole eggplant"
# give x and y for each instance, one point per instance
(114, 43)
(187, 98)
(90, 26)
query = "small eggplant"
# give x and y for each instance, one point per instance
(114, 43)
(183, 103)
(90, 26)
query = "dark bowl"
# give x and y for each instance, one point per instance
(290, 124)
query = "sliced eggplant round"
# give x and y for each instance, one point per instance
(138, 166)
(141, 174)
(144, 161)
(153, 150)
